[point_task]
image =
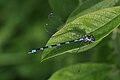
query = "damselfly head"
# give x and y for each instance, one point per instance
(92, 38)
(88, 38)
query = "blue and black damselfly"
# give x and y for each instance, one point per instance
(85, 39)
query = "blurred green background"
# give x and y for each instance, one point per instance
(23, 27)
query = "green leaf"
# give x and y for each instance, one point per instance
(91, 6)
(86, 71)
(99, 23)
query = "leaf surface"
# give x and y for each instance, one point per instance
(86, 71)
(99, 23)
(91, 6)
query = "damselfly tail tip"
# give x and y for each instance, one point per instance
(33, 51)
(29, 52)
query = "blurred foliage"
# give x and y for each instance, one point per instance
(87, 71)
(22, 27)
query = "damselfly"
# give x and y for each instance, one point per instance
(85, 39)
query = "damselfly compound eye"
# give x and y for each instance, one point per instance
(92, 38)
